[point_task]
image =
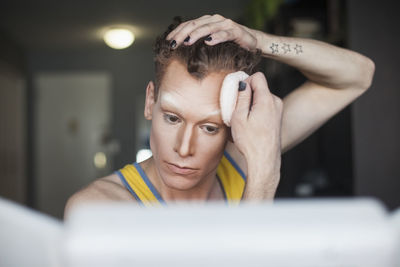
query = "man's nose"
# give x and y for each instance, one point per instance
(185, 143)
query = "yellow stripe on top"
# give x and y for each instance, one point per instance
(137, 184)
(231, 179)
(136, 181)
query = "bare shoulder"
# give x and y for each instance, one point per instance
(236, 156)
(106, 189)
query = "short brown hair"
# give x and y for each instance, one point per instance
(200, 58)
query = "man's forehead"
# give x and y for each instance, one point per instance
(177, 98)
(187, 88)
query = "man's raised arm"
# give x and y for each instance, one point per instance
(336, 76)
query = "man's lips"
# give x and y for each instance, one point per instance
(182, 170)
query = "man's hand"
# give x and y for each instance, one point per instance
(217, 29)
(256, 132)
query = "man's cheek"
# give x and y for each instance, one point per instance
(212, 148)
(163, 138)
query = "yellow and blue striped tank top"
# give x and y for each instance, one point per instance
(229, 174)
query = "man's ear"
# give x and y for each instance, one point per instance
(150, 100)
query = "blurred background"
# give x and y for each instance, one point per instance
(71, 107)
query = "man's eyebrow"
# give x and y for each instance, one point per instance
(168, 100)
(213, 116)
(166, 107)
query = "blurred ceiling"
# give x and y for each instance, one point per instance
(79, 24)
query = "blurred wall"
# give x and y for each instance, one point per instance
(13, 183)
(373, 31)
(130, 70)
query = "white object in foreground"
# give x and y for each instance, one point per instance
(287, 233)
(28, 238)
(229, 94)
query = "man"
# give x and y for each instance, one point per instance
(197, 157)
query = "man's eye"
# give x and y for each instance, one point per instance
(210, 129)
(171, 118)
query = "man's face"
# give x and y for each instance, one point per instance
(188, 136)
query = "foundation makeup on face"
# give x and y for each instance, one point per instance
(169, 99)
(215, 112)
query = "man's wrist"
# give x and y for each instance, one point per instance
(262, 181)
(268, 44)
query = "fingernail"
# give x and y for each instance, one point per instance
(242, 86)
(172, 44)
(187, 39)
(209, 38)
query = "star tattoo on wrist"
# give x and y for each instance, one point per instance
(298, 48)
(274, 48)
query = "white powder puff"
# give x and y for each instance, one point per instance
(229, 93)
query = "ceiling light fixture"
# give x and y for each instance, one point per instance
(118, 38)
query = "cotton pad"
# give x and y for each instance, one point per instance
(229, 93)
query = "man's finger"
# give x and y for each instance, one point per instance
(183, 31)
(208, 29)
(259, 85)
(219, 37)
(243, 101)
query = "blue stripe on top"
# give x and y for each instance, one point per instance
(148, 182)
(122, 178)
(235, 165)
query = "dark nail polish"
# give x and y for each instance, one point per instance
(187, 39)
(172, 44)
(242, 86)
(209, 38)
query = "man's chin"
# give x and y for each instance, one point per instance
(179, 182)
